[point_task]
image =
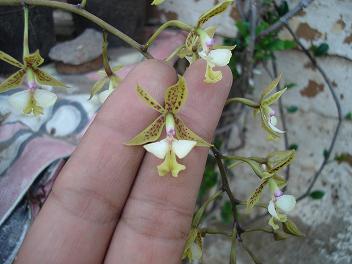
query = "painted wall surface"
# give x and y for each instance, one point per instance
(326, 222)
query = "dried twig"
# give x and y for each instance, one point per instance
(338, 108)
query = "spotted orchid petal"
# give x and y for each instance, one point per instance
(147, 98)
(183, 147)
(216, 10)
(183, 132)
(13, 81)
(149, 134)
(212, 76)
(158, 149)
(176, 96)
(45, 79)
(286, 203)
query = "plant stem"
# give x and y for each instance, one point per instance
(25, 33)
(212, 231)
(171, 23)
(81, 12)
(107, 67)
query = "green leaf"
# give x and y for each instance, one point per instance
(348, 116)
(320, 50)
(226, 212)
(292, 109)
(283, 8)
(293, 146)
(278, 45)
(290, 85)
(290, 227)
(316, 195)
(243, 27)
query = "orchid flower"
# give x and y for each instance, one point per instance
(213, 56)
(267, 170)
(200, 43)
(113, 81)
(32, 100)
(108, 75)
(179, 139)
(279, 205)
(269, 120)
(194, 246)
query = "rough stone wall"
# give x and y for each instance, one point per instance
(326, 222)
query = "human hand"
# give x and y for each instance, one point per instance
(109, 204)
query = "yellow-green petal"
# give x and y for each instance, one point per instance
(157, 2)
(255, 196)
(98, 86)
(170, 165)
(33, 60)
(267, 90)
(149, 134)
(176, 95)
(45, 79)
(183, 132)
(273, 98)
(216, 10)
(13, 81)
(212, 76)
(10, 60)
(146, 97)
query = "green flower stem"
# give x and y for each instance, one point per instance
(174, 53)
(107, 67)
(259, 229)
(199, 214)
(83, 4)
(257, 159)
(241, 100)
(250, 253)
(171, 23)
(262, 205)
(213, 231)
(81, 12)
(25, 33)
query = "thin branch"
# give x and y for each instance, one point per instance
(248, 55)
(81, 12)
(226, 187)
(284, 19)
(338, 108)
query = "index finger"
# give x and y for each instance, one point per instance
(77, 220)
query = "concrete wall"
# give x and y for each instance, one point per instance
(326, 222)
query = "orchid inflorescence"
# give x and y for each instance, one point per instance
(179, 139)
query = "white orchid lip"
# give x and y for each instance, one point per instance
(286, 203)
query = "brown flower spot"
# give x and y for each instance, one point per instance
(307, 32)
(348, 39)
(312, 89)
